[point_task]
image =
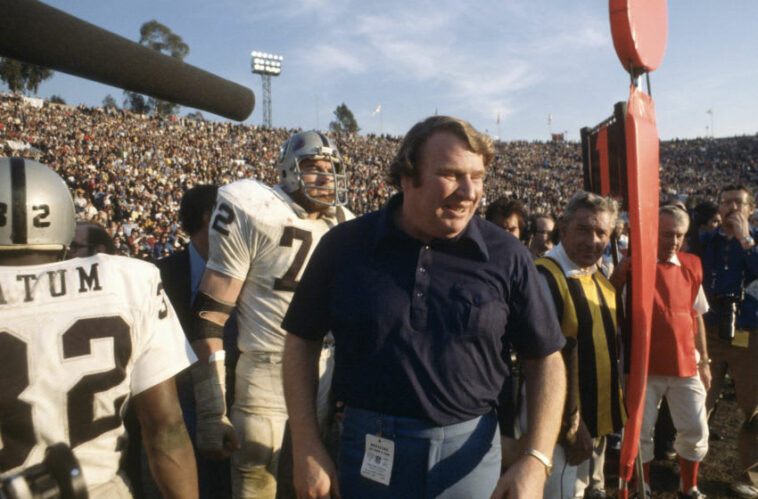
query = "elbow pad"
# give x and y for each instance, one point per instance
(202, 327)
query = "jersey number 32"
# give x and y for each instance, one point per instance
(17, 430)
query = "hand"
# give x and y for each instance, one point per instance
(314, 474)
(619, 276)
(525, 479)
(215, 434)
(705, 375)
(581, 449)
(737, 225)
(569, 429)
(216, 438)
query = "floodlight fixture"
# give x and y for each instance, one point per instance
(266, 65)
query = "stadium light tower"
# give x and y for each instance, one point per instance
(266, 65)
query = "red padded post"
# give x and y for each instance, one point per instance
(642, 147)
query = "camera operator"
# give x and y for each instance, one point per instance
(730, 275)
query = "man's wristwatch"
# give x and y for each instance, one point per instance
(749, 240)
(542, 458)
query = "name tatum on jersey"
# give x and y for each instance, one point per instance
(56, 280)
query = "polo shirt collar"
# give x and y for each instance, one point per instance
(673, 260)
(570, 269)
(470, 237)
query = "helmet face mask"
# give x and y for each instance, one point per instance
(36, 209)
(317, 146)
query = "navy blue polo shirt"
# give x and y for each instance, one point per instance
(419, 327)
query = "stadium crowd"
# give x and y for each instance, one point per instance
(129, 171)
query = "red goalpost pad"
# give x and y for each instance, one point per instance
(642, 147)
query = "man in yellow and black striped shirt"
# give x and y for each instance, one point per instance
(585, 304)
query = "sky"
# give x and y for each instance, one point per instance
(542, 66)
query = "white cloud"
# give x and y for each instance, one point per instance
(442, 44)
(582, 37)
(330, 59)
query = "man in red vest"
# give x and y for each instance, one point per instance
(679, 365)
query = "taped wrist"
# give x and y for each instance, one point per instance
(209, 383)
(203, 327)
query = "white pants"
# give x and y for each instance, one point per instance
(590, 474)
(686, 399)
(259, 414)
(569, 482)
(116, 488)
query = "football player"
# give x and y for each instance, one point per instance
(79, 339)
(261, 238)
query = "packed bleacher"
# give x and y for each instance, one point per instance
(129, 171)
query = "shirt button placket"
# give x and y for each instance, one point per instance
(421, 288)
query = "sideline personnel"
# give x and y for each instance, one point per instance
(586, 306)
(678, 368)
(730, 276)
(420, 297)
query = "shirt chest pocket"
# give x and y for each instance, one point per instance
(478, 311)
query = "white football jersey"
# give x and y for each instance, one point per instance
(77, 339)
(260, 236)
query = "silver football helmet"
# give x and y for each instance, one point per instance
(36, 209)
(312, 145)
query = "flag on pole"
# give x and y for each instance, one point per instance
(377, 110)
(498, 118)
(549, 118)
(710, 111)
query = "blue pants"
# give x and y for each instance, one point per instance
(456, 461)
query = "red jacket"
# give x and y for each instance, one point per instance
(672, 342)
